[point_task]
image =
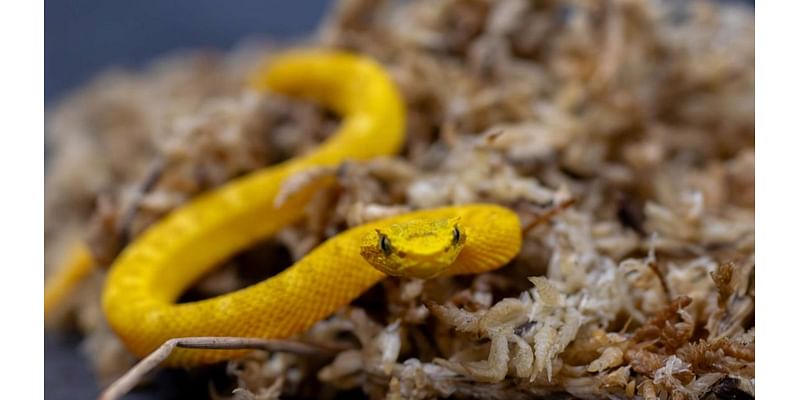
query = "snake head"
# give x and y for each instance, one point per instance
(415, 249)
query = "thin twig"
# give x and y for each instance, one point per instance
(547, 215)
(154, 173)
(131, 378)
(656, 268)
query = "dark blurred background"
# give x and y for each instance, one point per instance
(83, 37)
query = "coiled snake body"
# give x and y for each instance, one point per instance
(151, 273)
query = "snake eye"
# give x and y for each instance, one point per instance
(456, 235)
(385, 244)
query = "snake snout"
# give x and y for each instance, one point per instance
(422, 248)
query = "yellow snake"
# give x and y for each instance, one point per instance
(151, 273)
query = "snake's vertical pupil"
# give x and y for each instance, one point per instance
(386, 246)
(456, 235)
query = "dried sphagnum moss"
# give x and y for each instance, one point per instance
(640, 110)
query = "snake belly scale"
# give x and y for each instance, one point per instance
(152, 272)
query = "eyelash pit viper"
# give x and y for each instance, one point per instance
(152, 272)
